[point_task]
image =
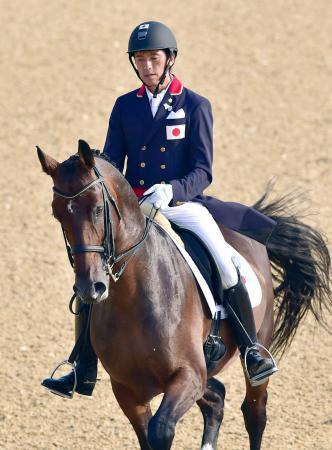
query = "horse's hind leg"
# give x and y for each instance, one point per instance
(186, 387)
(212, 408)
(254, 404)
(254, 413)
(138, 413)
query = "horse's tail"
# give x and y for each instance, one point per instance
(300, 266)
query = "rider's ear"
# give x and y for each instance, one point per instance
(49, 164)
(86, 155)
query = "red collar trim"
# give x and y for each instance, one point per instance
(141, 91)
(175, 88)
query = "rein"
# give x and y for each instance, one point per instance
(107, 249)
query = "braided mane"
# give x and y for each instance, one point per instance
(96, 153)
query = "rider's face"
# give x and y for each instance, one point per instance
(150, 66)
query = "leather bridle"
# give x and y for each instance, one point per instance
(107, 249)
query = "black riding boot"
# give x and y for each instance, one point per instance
(238, 306)
(86, 367)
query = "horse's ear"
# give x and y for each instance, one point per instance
(86, 155)
(49, 164)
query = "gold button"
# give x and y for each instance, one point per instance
(142, 164)
(163, 149)
(163, 166)
(143, 147)
(163, 182)
(141, 182)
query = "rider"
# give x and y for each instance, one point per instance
(165, 131)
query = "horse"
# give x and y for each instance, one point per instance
(149, 323)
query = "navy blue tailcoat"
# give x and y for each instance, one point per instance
(175, 147)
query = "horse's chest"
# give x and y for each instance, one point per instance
(135, 355)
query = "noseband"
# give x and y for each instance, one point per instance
(107, 249)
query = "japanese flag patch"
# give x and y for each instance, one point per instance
(175, 132)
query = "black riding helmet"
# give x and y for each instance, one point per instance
(152, 36)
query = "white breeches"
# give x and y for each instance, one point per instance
(196, 218)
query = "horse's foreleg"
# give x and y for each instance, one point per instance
(186, 387)
(138, 414)
(254, 413)
(212, 408)
(212, 402)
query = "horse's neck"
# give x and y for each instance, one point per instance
(130, 230)
(155, 276)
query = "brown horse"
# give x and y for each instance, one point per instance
(148, 321)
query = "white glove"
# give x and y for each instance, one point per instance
(162, 194)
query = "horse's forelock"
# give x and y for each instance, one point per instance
(72, 170)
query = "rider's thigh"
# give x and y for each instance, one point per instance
(196, 218)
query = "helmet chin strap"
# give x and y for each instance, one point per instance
(162, 78)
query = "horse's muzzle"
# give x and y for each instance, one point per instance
(91, 292)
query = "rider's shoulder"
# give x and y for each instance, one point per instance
(127, 96)
(194, 100)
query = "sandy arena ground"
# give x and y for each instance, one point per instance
(266, 66)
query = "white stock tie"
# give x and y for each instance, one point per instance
(155, 102)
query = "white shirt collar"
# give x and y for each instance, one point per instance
(160, 94)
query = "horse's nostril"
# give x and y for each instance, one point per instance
(91, 292)
(100, 288)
